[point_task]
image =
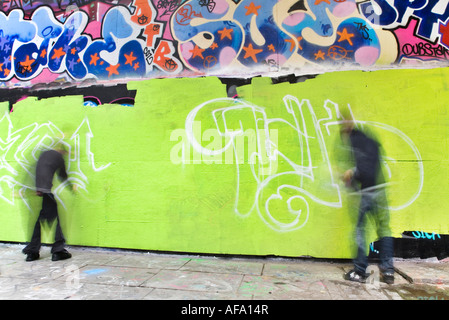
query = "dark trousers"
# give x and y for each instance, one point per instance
(48, 213)
(374, 203)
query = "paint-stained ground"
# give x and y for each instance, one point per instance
(106, 274)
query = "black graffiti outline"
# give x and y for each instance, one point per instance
(364, 31)
(427, 49)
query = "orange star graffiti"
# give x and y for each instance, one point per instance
(319, 55)
(252, 9)
(112, 69)
(344, 35)
(225, 33)
(26, 65)
(130, 58)
(251, 52)
(197, 52)
(93, 59)
(58, 53)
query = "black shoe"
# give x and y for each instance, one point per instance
(32, 256)
(387, 277)
(61, 255)
(355, 276)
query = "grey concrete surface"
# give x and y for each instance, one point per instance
(107, 274)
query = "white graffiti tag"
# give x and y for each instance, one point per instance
(20, 150)
(290, 163)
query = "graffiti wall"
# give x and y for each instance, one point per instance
(260, 173)
(213, 125)
(115, 41)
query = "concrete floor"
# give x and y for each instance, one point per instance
(105, 274)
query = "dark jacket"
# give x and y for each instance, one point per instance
(366, 153)
(49, 163)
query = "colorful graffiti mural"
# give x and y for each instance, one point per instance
(111, 49)
(73, 41)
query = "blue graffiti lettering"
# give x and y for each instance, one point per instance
(425, 235)
(30, 45)
(429, 12)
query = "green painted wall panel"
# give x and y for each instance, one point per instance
(139, 190)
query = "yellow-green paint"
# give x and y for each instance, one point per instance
(148, 196)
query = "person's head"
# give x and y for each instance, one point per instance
(61, 148)
(347, 122)
(346, 127)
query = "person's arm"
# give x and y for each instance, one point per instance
(63, 176)
(348, 176)
(62, 173)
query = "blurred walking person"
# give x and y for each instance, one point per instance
(50, 162)
(368, 180)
